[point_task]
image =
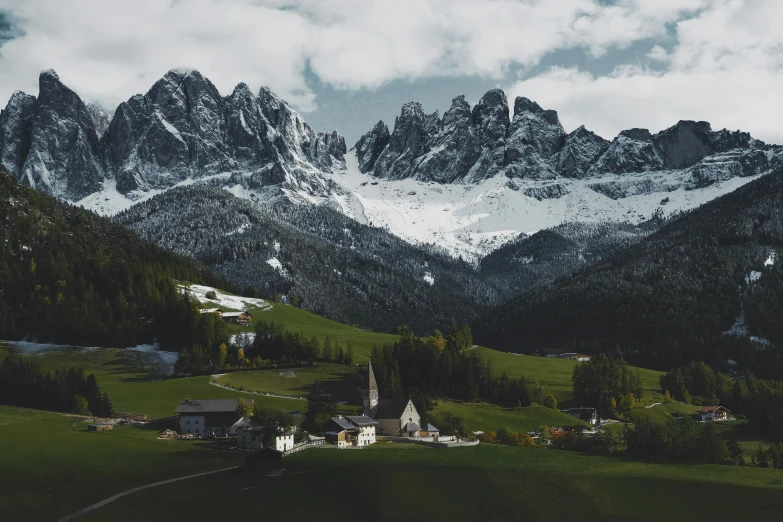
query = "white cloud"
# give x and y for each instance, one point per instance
(725, 68)
(108, 50)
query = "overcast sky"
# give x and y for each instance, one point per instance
(345, 64)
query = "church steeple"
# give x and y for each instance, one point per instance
(370, 395)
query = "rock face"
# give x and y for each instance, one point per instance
(63, 156)
(182, 128)
(471, 145)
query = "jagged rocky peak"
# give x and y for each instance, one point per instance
(684, 144)
(406, 142)
(533, 131)
(580, 149)
(16, 122)
(63, 155)
(632, 150)
(370, 146)
(452, 151)
(490, 115)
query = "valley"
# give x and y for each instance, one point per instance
(563, 324)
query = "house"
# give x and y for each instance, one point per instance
(428, 430)
(712, 413)
(345, 432)
(217, 311)
(240, 318)
(265, 462)
(248, 437)
(395, 418)
(581, 357)
(586, 414)
(207, 418)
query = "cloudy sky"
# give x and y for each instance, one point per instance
(346, 64)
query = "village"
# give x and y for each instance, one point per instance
(388, 420)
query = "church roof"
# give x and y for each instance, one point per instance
(371, 384)
(412, 426)
(391, 408)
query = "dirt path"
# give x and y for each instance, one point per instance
(134, 490)
(256, 393)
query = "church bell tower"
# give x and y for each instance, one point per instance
(370, 395)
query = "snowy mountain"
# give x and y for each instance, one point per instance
(468, 181)
(182, 130)
(477, 178)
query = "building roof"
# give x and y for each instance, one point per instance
(362, 420)
(235, 314)
(210, 310)
(711, 409)
(430, 428)
(371, 383)
(344, 423)
(244, 422)
(412, 426)
(391, 408)
(207, 406)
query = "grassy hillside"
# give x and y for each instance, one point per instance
(132, 387)
(556, 372)
(468, 484)
(52, 466)
(341, 380)
(488, 417)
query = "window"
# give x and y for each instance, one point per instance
(188, 422)
(195, 422)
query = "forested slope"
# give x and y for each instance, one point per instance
(672, 297)
(69, 276)
(333, 265)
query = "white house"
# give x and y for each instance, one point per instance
(248, 436)
(356, 431)
(713, 413)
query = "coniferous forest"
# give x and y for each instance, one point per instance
(68, 276)
(706, 287)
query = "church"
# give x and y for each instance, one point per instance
(395, 418)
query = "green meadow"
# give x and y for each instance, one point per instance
(557, 373)
(480, 416)
(487, 481)
(52, 466)
(341, 380)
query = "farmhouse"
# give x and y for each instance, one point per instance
(217, 311)
(586, 414)
(240, 318)
(345, 432)
(581, 357)
(248, 436)
(208, 418)
(395, 418)
(713, 413)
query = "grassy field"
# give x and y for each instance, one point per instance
(132, 388)
(51, 466)
(341, 380)
(557, 373)
(488, 417)
(663, 412)
(496, 482)
(297, 320)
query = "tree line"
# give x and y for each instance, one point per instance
(273, 342)
(759, 400)
(444, 366)
(23, 384)
(607, 383)
(69, 276)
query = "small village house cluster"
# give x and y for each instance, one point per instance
(242, 318)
